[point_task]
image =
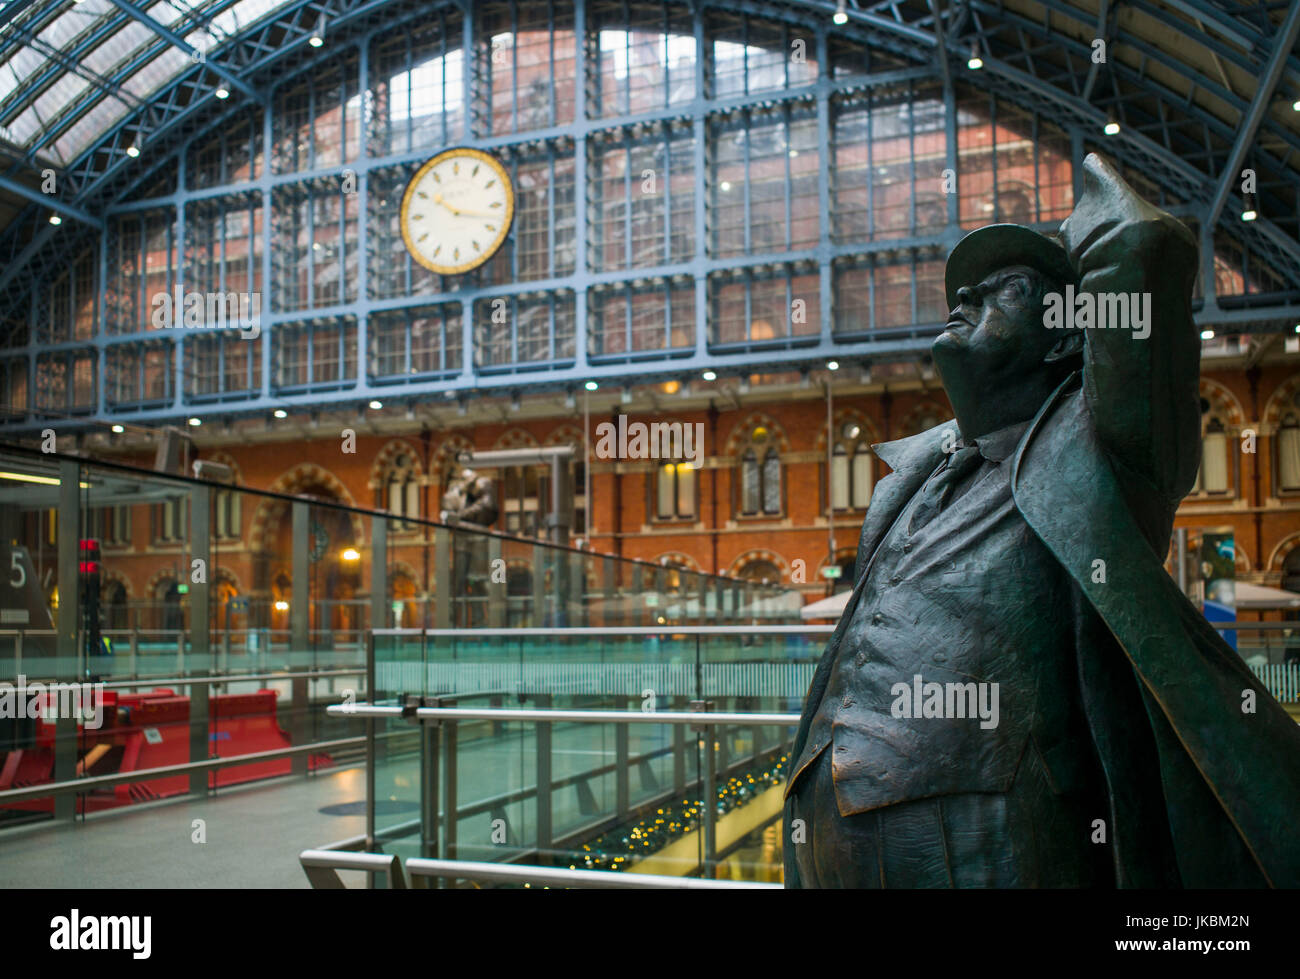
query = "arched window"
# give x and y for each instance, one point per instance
(761, 572)
(227, 515)
(851, 469)
(402, 491)
(760, 475)
(169, 521)
(1288, 453)
(1213, 476)
(675, 491)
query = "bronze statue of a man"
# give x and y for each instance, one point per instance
(470, 499)
(1018, 695)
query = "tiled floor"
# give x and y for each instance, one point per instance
(254, 835)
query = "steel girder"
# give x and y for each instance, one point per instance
(1168, 161)
(911, 36)
(274, 50)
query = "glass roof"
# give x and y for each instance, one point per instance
(70, 71)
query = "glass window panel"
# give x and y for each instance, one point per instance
(749, 483)
(771, 483)
(685, 491)
(862, 477)
(666, 490)
(839, 479)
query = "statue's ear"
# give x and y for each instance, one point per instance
(1069, 345)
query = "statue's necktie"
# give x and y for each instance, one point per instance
(936, 489)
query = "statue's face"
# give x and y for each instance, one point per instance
(996, 331)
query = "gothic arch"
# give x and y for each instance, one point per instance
(1286, 397)
(1283, 550)
(869, 434)
(225, 574)
(1224, 404)
(676, 558)
(266, 521)
(226, 459)
(841, 554)
(755, 555)
(157, 578)
(515, 438)
(384, 459)
(108, 577)
(567, 434)
(915, 421)
(741, 434)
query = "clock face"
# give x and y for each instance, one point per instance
(457, 210)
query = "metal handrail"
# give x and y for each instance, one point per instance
(617, 630)
(180, 681)
(419, 868)
(699, 718)
(79, 785)
(322, 866)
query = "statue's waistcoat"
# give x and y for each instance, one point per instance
(969, 597)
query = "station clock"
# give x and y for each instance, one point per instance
(457, 210)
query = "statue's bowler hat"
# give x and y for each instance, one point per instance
(997, 246)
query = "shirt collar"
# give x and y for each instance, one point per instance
(996, 446)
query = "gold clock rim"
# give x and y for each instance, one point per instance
(497, 242)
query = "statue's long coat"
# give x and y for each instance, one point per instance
(1202, 765)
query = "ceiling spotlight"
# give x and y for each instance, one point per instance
(1295, 106)
(1297, 327)
(725, 185)
(196, 422)
(133, 151)
(841, 16)
(280, 413)
(316, 40)
(974, 62)
(1207, 334)
(709, 376)
(55, 220)
(1249, 214)
(118, 429)
(222, 93)
(376, 405)
(1111, 128)
(1248, 211)
(591, 385)
(832, 365)
(318, 35)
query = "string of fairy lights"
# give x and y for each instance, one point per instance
(622, 847)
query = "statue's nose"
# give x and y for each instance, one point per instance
(965, 296)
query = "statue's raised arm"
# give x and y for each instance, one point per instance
(1136, 265)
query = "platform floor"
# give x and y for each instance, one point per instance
(254, 835)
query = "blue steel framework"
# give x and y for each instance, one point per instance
(567, 300)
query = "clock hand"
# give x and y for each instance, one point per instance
(437, 199)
